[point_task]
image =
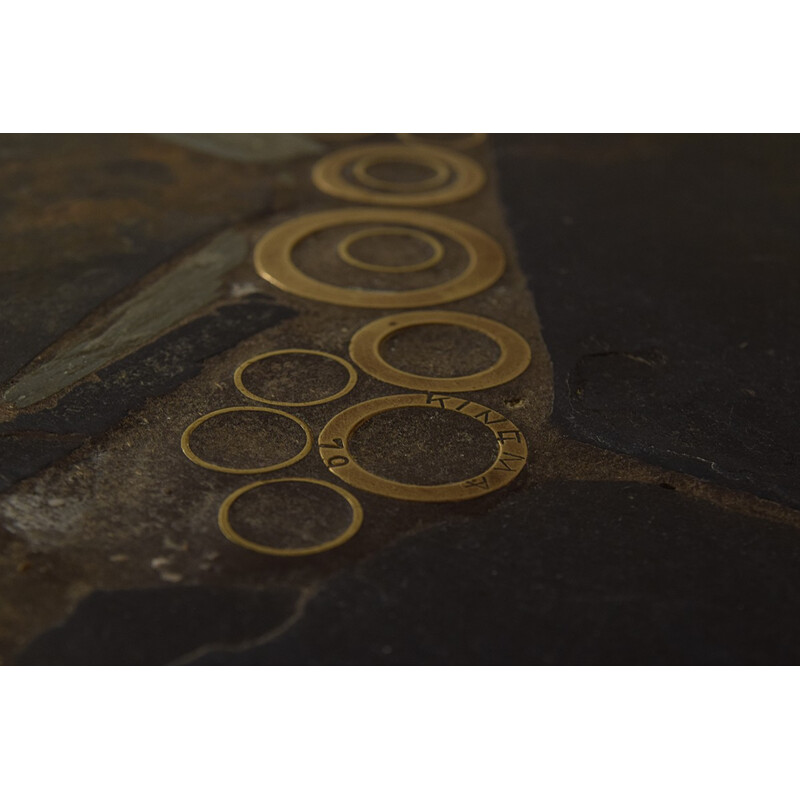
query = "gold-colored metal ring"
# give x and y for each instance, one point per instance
(232, 536)
(365, 350)
(465, 142)
(329, 177)
(441, 173)
(192, 456)
(273, 259)
(335, 452)
(343, 249)
(352, 377)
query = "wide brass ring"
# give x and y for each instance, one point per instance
(273, 259)
(192, 456)
(238, 379)
(343, 249)
(335, 450)
(328, 175)
(230, 534)
(465, 142)
(441, 173)
(365, 350)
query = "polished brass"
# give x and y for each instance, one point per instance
(226, 528)
(335, 452)
(365, 350)
(465, 142)
(329, 174)
(352, 377)
(343, 249)
(192, 456)
(441, 174)
(273, 259)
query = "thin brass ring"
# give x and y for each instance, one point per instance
(335, 452)
(344, 246)
(232, 536)
(273, 259)
(441, 173)
(365, 350)
(328, 175)
(192, 456)
(351, 379)
(466, 142)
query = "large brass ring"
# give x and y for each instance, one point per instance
(231, 535)
(335, 451)
(328, 174)
(365, 350)
(343, 249)
(273, 259)
(192, 456)
(465, 142)
(352, 377)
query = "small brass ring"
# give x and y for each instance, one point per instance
(344, 246)
(466, 142)
(231, 535)
(328, 175)
(335, 452)
(365, 350)
(192, 456)
(352, 377)
(441, 173)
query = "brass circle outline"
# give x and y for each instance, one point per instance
(351, 379)
(486, 260)
(335, 453)
(464, 143)
(365, 350)
(343, 249)
(441, 173)
(192, 456)
(231, 535)
(328, 175)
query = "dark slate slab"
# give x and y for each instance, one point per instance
(33, 441)
(563, 574)
(666, 272)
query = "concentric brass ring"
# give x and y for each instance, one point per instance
(329, 177)
(231, 535)
(467, 142)
(343, 249)
(238, 380)
(273, 259)
(335, 452)
(441, 174)
(192, 456)
(365, 350)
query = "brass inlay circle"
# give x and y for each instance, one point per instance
(465, 142)
(328, 175)
(365, 350)
(273, 259)
(335, 452)
(232, 536)
(344, 246)
(192, 456)
(238, 380)
(441, 173)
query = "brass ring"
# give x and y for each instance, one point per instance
(343, 249)
(441, 173)
(273, 259)
(192, 456)
(365, 350)
(328, 175)
(232, 536)
(351, 380)
(335, 452)
(467, 142)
